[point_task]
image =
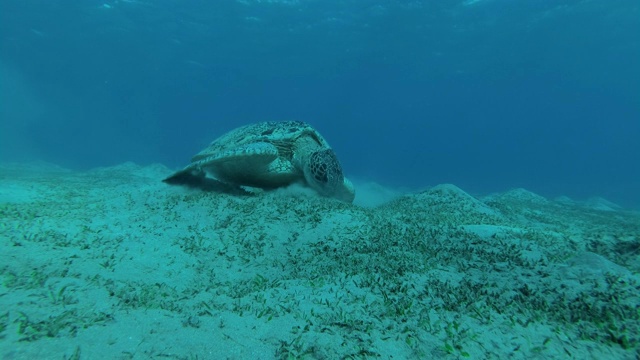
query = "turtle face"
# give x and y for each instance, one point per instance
(324, 173)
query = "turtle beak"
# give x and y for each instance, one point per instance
(346, 193)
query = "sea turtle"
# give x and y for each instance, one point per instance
(269, 155)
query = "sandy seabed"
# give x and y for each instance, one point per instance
(114, 264)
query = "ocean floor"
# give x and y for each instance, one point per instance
(114, 264)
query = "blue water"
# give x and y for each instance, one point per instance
(487, 95)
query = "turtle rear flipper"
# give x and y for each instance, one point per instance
(188, 176)
(197, 178)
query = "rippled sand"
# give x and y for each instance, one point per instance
(113, 263)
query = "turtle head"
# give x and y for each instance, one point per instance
(324, 174)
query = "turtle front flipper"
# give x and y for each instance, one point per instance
(242, 158)
(247, 165)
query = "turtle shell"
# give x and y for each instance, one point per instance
(259, 155)
(270, 155)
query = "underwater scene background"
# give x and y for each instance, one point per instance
(488, 95)
(493, 147)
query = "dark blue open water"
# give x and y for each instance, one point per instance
(487, 95)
